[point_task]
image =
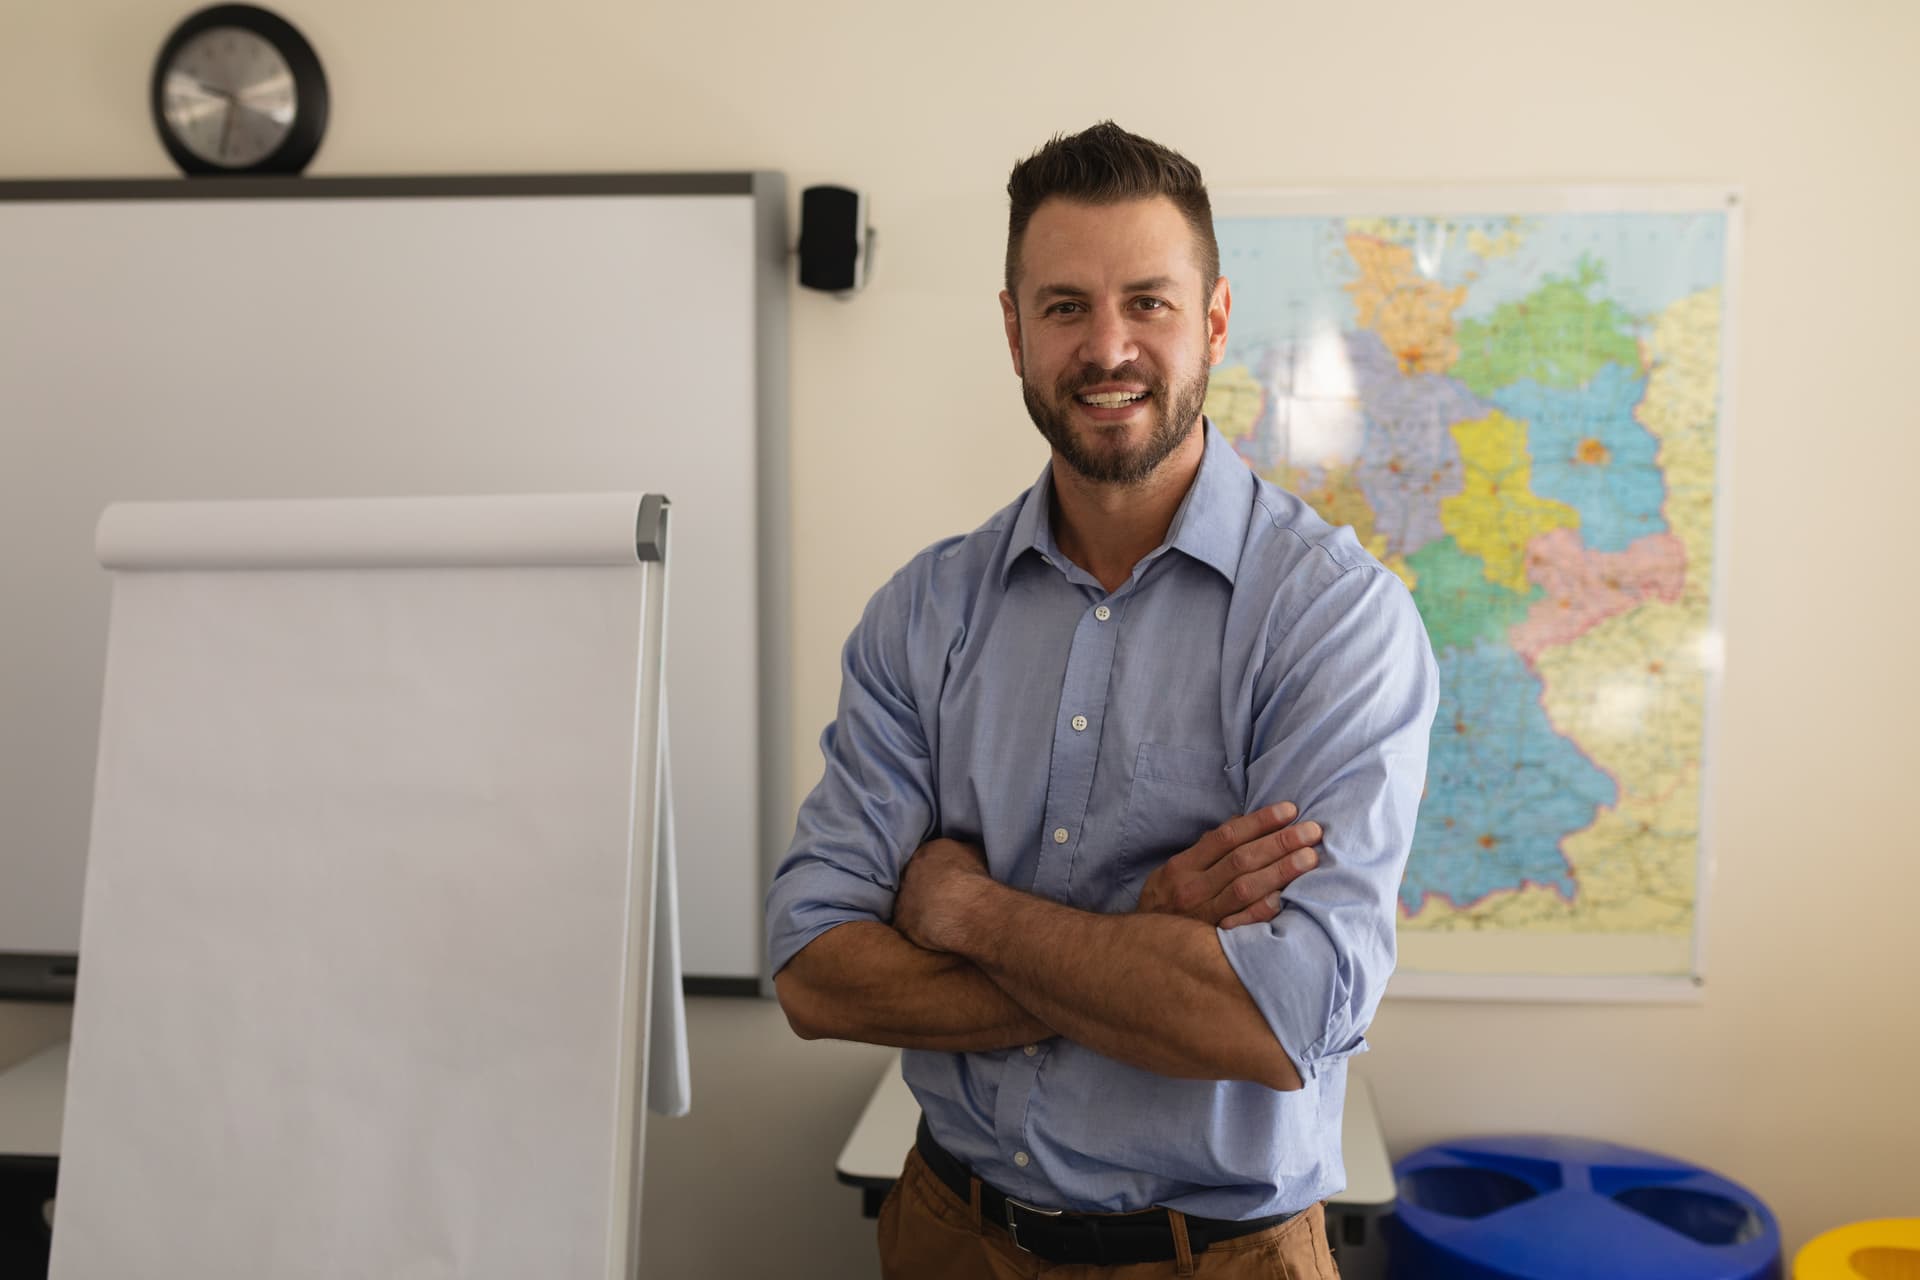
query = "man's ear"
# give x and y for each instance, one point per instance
(1010, 316)
(1218, 308)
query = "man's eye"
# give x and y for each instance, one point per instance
(1150, 304)
(1061, 308)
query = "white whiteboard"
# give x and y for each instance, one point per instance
(367, 918)
(292, 338)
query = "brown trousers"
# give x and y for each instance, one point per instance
(928, 1233)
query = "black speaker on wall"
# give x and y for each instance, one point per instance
(835, 242)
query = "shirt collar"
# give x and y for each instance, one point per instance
(1209, 525)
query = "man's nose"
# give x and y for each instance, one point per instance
(1107, 342)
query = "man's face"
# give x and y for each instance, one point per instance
(1112, 333)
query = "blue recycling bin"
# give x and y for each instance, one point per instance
(1547, 1208)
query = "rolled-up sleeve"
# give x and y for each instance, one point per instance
(874, 805)
(1344, 710)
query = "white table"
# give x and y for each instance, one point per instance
(33, 1097)
(876, 1151)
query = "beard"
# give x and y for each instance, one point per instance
(1173, 412)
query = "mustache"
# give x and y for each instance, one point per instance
(1093, 376)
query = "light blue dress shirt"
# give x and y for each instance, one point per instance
(995, 693)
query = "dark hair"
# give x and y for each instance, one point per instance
(1107, 165)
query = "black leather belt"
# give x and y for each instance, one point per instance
(1104, 1239)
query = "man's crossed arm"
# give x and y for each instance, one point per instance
(971, 964)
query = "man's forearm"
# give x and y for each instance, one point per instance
(863, 981)
(1155, 991)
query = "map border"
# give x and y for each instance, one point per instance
(1532, 200)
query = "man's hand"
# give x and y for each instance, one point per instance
(1233, 875)
(925, 910)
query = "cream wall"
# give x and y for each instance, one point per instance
(1795, 1075)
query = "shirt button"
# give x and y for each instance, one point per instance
(1079, 724)
(1022, 1159)
(1059, 835)
(1103, 613)
(1032, 1049)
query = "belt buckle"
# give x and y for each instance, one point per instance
(1013, 1227)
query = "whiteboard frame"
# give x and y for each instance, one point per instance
(1466, 199)
(50, 976)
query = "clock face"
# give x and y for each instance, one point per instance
(229, 97)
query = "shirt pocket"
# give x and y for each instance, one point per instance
(1178, 794)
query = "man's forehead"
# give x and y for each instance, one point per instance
(1074, 246)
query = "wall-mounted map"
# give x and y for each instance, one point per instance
(1515, 399)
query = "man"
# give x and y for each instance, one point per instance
(1055, 854)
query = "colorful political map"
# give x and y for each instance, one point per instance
(1519, 414)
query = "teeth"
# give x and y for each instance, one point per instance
(1112, 399)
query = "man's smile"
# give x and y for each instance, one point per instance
(1110, 399)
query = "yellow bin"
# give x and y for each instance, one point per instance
(1888, 1249)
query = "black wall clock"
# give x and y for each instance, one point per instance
(236, 89)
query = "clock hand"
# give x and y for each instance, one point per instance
(226, 130)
